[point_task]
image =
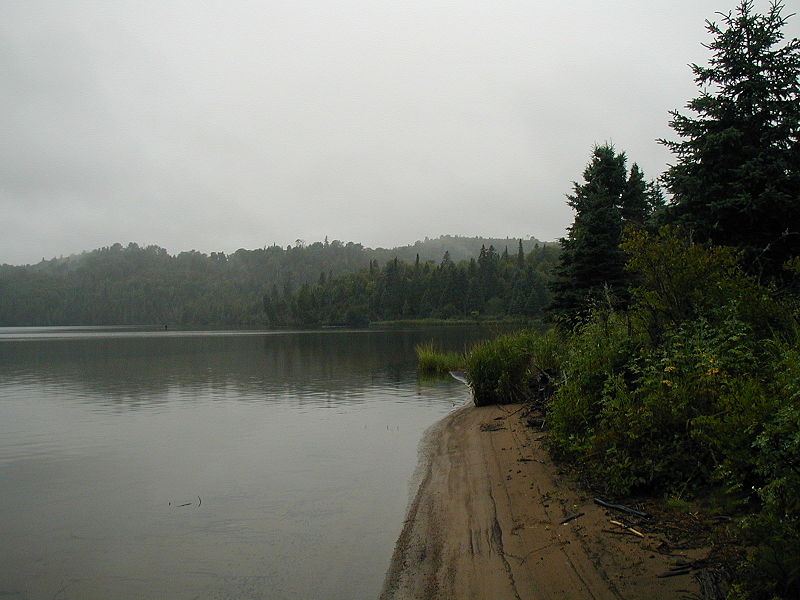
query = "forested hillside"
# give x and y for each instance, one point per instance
(143, 285)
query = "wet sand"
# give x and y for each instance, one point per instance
(486, 523)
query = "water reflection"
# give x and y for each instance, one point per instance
(143, 369)
(104, 435)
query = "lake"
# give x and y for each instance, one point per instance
(168, 464)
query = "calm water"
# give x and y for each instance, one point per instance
(139, 464)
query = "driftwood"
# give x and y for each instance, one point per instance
(620, 507)
(712, 584)
(199, 503)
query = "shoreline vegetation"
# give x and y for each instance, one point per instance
(671, 376)
(687, 400)
(432, 362)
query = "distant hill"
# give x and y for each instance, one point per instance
(144, 285)
(459, 247)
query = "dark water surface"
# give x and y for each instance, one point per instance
(155, 464)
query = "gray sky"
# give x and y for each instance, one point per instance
(221, 125)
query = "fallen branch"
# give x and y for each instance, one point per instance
(631, 529)
(572, 518)
(630, 511)
(617, 532)
(684, 571)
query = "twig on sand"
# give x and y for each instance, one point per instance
(617, 532)
(631, 529)
(676, 572)
(620, 507)
(508, 412)
(571, 518)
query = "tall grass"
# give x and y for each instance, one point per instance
(432, 362)
(499, 370)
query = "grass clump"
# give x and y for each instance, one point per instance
(513, 367)
(433, 362)
(497, 369)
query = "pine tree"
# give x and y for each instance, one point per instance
(737, 177)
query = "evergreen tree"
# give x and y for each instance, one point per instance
(737, 177)
(635, 205)
(591, 259)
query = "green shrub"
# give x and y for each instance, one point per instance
(772, 568)
(549, 351)
(695, 388)
(594, 352)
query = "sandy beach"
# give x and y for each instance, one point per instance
(488, 521)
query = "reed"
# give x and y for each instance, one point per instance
(433, 362)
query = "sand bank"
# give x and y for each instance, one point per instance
(486, 523)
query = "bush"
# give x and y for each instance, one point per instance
(696, 387)
(595, 351)
(772, 568)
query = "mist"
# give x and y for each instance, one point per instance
(216, 126)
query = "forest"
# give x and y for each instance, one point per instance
(135, 285)
(493, 286)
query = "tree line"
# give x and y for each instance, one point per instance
(493, 285)
(132, 284)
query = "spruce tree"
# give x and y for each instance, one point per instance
(634, 204)
(591, 260)
(737, 177)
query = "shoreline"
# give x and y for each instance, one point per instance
(487, 521)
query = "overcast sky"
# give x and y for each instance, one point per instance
(220, 125)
